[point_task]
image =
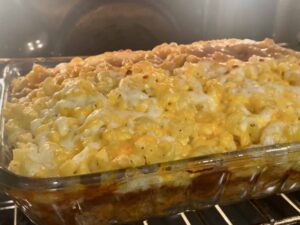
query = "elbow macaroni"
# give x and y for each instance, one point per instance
(86, 118)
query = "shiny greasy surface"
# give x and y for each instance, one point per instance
(127, 109)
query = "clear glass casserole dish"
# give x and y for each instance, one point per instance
(138, 193)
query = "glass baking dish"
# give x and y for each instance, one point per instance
(133, 194)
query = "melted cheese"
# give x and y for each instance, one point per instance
(102, 120)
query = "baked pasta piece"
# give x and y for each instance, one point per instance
(131, 108)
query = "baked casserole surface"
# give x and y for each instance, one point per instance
(131, 108)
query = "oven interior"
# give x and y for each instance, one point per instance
(43, 28)
(76, 27)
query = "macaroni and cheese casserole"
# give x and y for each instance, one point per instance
(132, 108)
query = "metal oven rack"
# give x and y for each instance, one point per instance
(275, 210)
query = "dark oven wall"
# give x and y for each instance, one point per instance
(34, 28)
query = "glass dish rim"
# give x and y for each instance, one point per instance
(12, 180)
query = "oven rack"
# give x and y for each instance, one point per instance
(278, 209)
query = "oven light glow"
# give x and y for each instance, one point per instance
(35, 45)
(30, 46)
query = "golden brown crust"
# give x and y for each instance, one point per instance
(166, 56)
(228, 48)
